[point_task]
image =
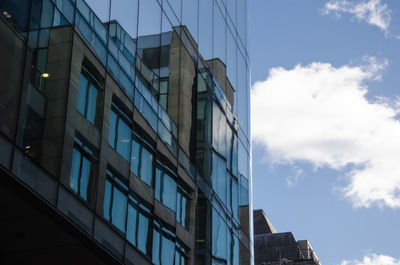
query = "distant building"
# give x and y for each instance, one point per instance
(273, 248)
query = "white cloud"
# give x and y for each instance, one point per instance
(319, 114)
(373, 259)
(293, 178)
(371, 11)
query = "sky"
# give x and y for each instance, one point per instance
(326, 124)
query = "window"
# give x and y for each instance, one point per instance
(88, 96)
(115, 201)
(219, 177)
(163, 245)
(163, 95)
(142, 161)
(120, 133)
(183, 207)
(165, 188)
(219, 231)
(81, 169)
(181, 255)
(137, 229)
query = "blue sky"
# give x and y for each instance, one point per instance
(325, 106)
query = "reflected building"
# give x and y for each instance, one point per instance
(124, 130)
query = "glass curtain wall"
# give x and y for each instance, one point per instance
(184, 65)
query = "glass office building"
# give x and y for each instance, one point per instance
(125, 132)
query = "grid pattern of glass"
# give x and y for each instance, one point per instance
(183, 66)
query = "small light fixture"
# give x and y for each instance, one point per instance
(5, 13)
(45, 75)
(28, 147)
(8, 16)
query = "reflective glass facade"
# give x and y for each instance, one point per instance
(136, 115)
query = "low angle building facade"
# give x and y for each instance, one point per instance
(125, 132)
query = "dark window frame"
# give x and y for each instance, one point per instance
(87, 151)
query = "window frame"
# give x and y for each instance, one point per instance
(143, 144)
(85, 151)
(164, 170)
(91, 81)
(121, 115)
(116, 182)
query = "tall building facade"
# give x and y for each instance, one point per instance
(273, 248)
(125, 132)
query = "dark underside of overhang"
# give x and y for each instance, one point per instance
(33, 232)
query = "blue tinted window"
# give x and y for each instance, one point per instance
(83, 83)
(87, 98)
(81, 169)
(112, 130)
(91, 104)
(218, 236)
(107, 200)
(142, 161)
(167, 251)
(137, 225)
(115, 201)
(182, 207)
(156, 247)
(123, 139)
(146, 171)
(142, 233)
(165, 189)
(219, 178)
(118, 212)
(120, 135)
(135, 157)
(131, 227)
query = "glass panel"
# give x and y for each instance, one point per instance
(75, 167)
(235, 199)
(107, 200)
(113, 128)
(156, 247)
(241, 92)
(83, 83)
(218, 236)
(91, 104)
(118, 212)
(205, 28)
(235, 156)
(219, 180)
(100, 8)
(158, 184)
(169, 192)
(241, 20)
(146, 172)
(190, 16)
(219, 35)
(85, 175)
(183, 214)
(176, 6)
(125, 12)
(167, 251)
(124, 140)
(231, 60)
(243, 160)
(142, 233)
(219, 130)
(231, 6)
(135, 157)
(149, 24)
(131, 227)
